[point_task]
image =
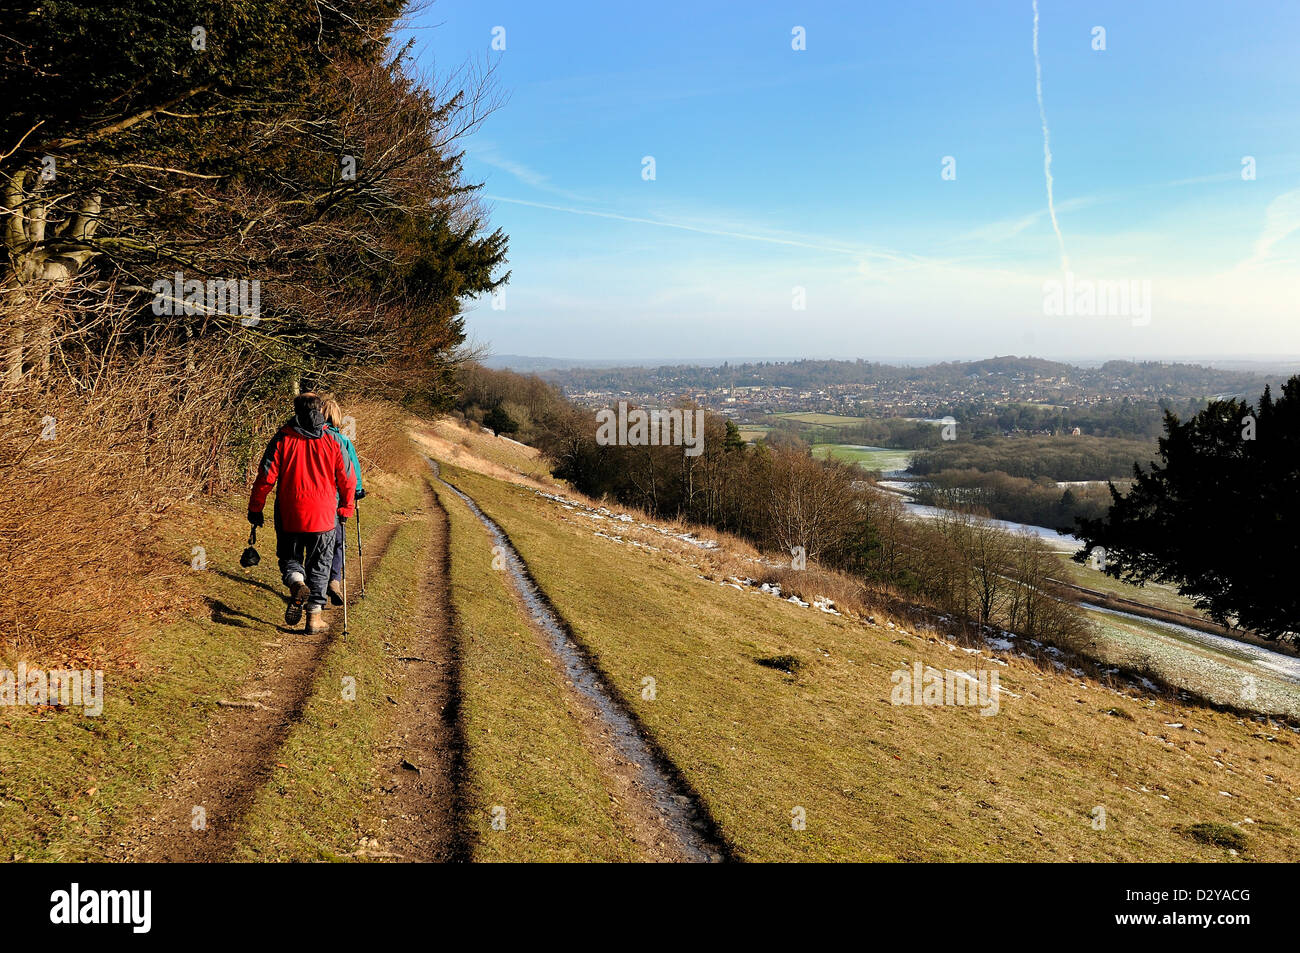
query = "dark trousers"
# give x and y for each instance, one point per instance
(340, 546)
(308, 555)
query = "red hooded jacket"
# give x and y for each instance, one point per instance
(308, 464)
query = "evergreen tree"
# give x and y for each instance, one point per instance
(733, 440)
(287, 144)
(1219, 515)
(499, 422)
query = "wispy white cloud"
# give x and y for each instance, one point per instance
(1008, 228)
(1281, 219)
(816, 244)
(529, 176)
(520, 171)
(656, 86)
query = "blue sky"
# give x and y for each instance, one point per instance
(820, 169)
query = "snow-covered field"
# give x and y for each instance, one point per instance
(1287, 666)
(1224, 670)
(1059, 541)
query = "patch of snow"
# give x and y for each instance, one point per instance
(825, 605)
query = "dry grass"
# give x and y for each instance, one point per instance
(466, 445)
(381, 439)
(89, 470)
(92, 459)
(848, 594)
(732, 556)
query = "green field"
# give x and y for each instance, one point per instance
(869, 458)
(1153, 593)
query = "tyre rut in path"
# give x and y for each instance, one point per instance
(238, 754)
(422, 767)
(666, 817)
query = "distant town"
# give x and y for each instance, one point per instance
(860, 388)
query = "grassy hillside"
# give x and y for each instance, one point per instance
(465, 444)
(764, 706)
(879, 781)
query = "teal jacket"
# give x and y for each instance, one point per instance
(350, 460)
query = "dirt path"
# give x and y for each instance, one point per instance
(242, 742)
(656, 807)
(423, 764)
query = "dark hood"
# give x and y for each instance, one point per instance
(309, 423)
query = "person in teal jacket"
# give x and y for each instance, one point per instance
(334, 420)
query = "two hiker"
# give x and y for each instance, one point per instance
(317, 484)
(334, 417)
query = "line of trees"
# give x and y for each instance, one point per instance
(1065, 458)
(972, 569)
(893, 432)
(788, 503)
(156, 156)
(506, 402)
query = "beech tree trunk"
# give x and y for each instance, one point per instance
(44, 255)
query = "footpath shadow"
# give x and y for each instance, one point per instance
(223, 614)
(249, 580)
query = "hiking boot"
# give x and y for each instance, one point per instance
(335, 592)
(315, 621)
(299, 593)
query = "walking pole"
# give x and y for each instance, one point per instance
(344, 580)
(361, 564)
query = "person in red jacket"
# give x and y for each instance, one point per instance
(314, 485)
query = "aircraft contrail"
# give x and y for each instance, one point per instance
(1047, 145)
